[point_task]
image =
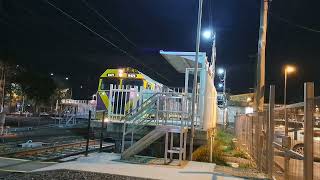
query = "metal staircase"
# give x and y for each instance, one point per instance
(144, 142)
(168, 112)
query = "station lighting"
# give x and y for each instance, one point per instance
(290, 69)
(207, 34)
(120, 72)
(287, 70)
(220, 71)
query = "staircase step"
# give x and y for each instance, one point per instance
(143, 143)
(175, 151)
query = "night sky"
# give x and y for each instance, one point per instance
(41, 38)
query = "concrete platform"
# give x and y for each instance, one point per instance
(108, 163)
(21, 165)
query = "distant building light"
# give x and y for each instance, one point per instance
(51, 74)
(249, 110)
(67, 78)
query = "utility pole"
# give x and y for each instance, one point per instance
(259, 100)
(195, 79)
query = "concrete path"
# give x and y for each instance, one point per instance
(21, 165)
(105, 163)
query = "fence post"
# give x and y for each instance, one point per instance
(258, 142)
(270, 127)
(308, 130)
(102, 128)
(88, 133)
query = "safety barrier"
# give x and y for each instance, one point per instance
(284, 139)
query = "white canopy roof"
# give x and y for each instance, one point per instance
(182, 60)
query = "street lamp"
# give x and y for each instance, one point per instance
(287, 70)
(207, 34)
(220, 71)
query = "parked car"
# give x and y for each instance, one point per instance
(296, 132)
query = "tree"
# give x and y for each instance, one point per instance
(37, 87)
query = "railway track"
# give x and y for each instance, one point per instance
(58, 151)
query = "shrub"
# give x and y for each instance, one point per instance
(240, 154)
(202, 154)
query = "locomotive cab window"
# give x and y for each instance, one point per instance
(105, 83)
(132, 82)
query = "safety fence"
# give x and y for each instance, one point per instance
(284, 141)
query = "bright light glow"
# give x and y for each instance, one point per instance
(249, 99)
(248, 110)
(220, 85)
(120, 71)
(207, 34)
(51, 74)
(220, 71)
(290, 69)
(106, 120)
(67, 78)
(120, 74)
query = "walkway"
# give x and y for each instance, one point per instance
(21, 165)
(107, 163)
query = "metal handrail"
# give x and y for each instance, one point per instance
(138, 107)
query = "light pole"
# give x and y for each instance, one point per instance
(288, 69)
(211, 35)
(195, 79)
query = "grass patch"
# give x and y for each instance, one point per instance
(225, 139)
(202, 154)
(240, 154)
(245, 165)
(223, 147)
(222, 144)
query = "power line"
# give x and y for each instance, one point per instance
(294, 24)
(107, 21)
(103, 38)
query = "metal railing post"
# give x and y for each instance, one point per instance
(88, 133)
(270, 154)
(308, 130)
(101, 132)
(123, 136)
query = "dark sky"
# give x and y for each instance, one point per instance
(38, 36)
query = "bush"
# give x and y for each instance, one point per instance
(202, 154)
(240, 154)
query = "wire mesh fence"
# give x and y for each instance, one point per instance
(284, 141)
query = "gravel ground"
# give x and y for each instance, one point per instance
(64, 175)
(249, 173)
